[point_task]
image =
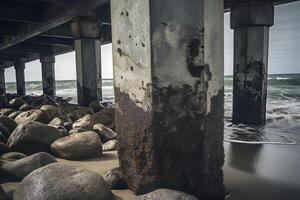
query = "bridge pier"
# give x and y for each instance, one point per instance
(48, 74)
(168, 73)
(20, 77)
(251, 22)
(88, 60)
(2, 81)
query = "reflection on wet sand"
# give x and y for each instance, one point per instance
(262, 171)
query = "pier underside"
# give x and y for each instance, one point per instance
(168, 76)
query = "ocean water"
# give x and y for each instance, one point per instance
(283, 108)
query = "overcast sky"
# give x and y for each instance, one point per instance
(284, 51)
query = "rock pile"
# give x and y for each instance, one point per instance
(34, 129)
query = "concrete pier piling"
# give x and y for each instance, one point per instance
(251, 22)
(48, 74)
(20, 77)
(168, 73)
(2, 81)
(88, 59)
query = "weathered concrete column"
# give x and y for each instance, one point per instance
(20, 77)
(88, 60)
(48, 74)
(2, 81)
(251, 22)
(168, 73)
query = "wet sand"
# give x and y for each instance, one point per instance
(251, 171)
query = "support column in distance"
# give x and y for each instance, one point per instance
(48, 74)
(2, 81)
(20, 77)
(251, 22)
(86, 30)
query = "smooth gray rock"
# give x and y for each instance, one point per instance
(4, 130)
(104, 132)
(16, 102)
(105, 117)
(54, 112)
(14, 114)
(8, 122)
(33, 115)
(3, 138)
(166, 194)
(115, 179)
(3, 195)
(111, 145)
(11, 156)
(20, 168)
(3, 148)
(68, 125)
(76, 112)
(43, 100)
(63, 182)
(56, 122)
(83, 122)
(9, 188)
(80, 130)
(78, 146)
(6, 111)
(25, 107)
(32, 137)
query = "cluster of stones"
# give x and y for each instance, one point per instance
(36, 129)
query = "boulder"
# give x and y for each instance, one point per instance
(32, 137)
(33, 115)
(105, 117)
(14, 114)
(68, 125)
(63, 130)
(4, 131)
(83, 122)
(25, 107)
(115, 179)
(4, 148)
(3, 138)
(43, 100)
(16, 102)
(56, 122)
(8, 122)
(11, 156)
(111, 145)
(3, 195)
(104, 132)
(96, 106)
(19, 169)
(63, 182)
(9, 188)
(166, 194)
(77, 112)
(78, 146)
(3, 101)
(79, 130)
(6, 111)
(54, 112)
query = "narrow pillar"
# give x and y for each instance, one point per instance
(48, 74)
(168, 73)
(88, 60)
(251, 22)
(2, 81)
(20, 77)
